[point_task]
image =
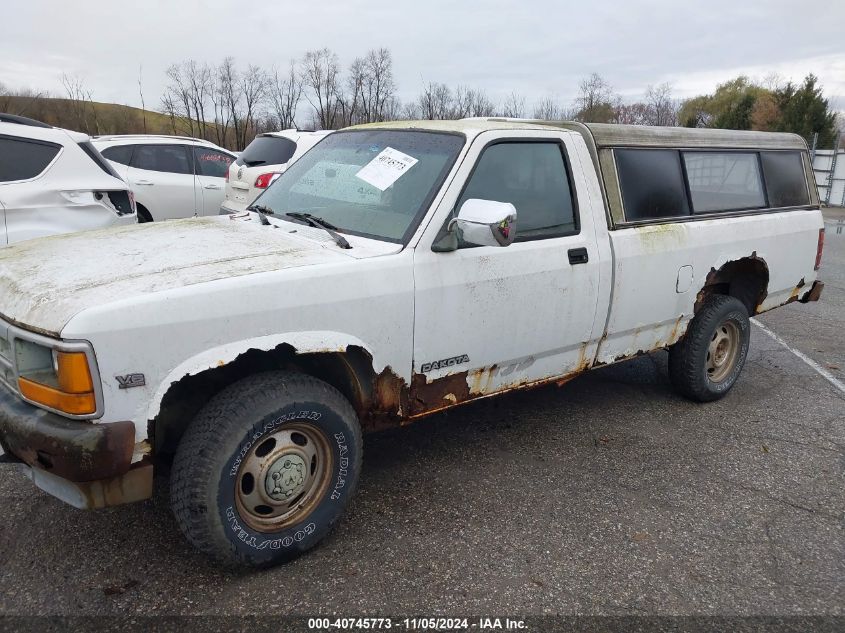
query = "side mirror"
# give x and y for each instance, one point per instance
(486, 222)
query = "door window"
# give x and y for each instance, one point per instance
(167, 158)
(211, 162)
(534, 178)
(23, 159)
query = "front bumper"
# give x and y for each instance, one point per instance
(85, 464)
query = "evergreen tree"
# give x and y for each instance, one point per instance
(804, 111)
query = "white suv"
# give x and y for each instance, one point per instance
(172, 176)
(264, 160)
(54, 181)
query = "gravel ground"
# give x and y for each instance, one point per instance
(611, 495)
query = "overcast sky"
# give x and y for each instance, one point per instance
(536, 49)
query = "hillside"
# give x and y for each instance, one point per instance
(95, 117)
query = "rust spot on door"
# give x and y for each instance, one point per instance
(482, 380)
(440, 393)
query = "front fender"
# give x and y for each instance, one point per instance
(302, 342)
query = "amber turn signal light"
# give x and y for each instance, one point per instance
(74, 390)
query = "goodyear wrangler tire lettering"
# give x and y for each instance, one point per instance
(266, 469)
(255, 543)
(302, 415)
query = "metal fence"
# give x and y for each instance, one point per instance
(829, 168)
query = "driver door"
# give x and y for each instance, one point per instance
(518, 314)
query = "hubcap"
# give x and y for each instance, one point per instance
(283, 477)
(722, 351)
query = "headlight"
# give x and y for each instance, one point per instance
(55, 379)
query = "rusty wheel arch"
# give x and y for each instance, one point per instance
(377, 398)
(746, 278)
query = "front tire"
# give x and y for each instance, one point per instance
(266, 469)
(706, 363)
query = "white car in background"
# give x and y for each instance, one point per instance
(172, 176)
(264, 160)
(54, 181)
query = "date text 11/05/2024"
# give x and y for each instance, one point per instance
(419, 624)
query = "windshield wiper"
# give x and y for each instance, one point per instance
(320, 223)
(262, 212)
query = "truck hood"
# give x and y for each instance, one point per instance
(45, 282)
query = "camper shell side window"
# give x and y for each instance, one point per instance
(673, 184)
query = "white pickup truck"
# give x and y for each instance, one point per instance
(396, 270)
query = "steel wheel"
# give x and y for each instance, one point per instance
(722, 351)
(283, 477)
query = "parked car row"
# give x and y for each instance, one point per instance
(56, 181)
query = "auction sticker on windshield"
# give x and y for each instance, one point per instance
(386, 168)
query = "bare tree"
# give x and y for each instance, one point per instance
(220, 104)
(20, 102)
(410, 111)
(378, 87)
(199, 80)
(461, 103)
(395, 110)
(77, 96)
(253, 87)
(435, 102)
(141, 93)
(349, 102)
(169, 108)
(633, 114)
(285, 95)
(228, 80)
(662, 108)
(176, 100)
(321, 78)
(514, 106)
(90, 96)
(596, 100)
(470, 102)
(548, 109)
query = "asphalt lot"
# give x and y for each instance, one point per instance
(611, 495)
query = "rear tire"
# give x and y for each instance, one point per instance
(266, 469)
(706, 363)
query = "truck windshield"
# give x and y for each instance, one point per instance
(374, 183)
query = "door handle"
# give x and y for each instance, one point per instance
(143, 182)
(213, 187)
(578, 256)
